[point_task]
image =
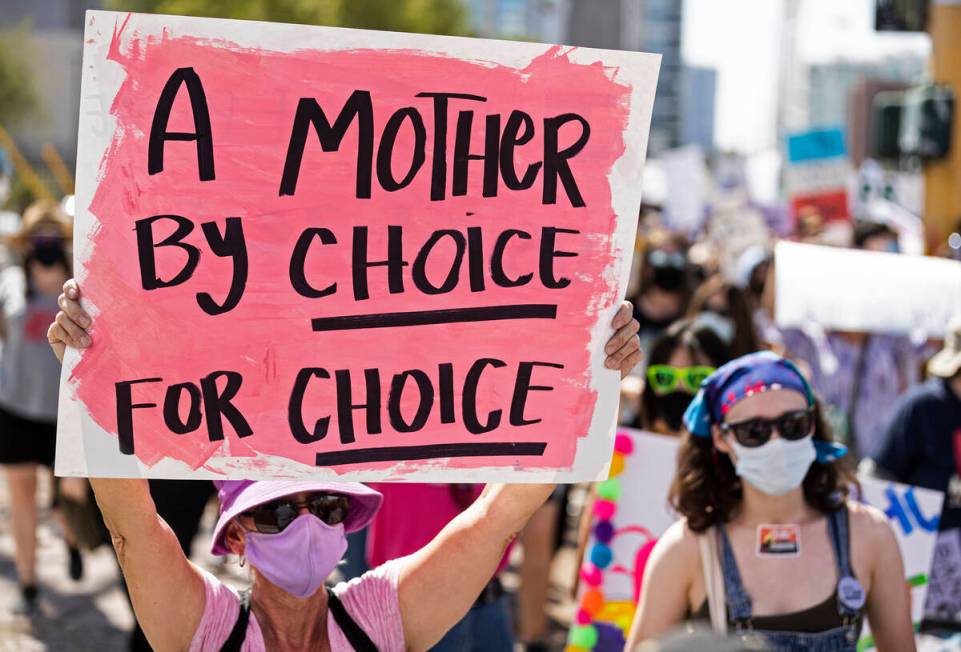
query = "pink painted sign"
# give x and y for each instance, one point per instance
(314, 251)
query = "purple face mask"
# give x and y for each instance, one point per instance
(300, 558)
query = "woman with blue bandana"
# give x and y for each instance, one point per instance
(769, 546)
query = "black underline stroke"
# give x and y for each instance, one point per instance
(430, 451)
(428, 317)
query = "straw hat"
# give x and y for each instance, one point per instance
(42, 213)
(947, 362)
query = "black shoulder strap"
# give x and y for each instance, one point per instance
(239, 632)
(357, 638)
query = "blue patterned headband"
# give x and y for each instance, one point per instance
(748, 375)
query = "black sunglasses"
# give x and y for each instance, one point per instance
(275, 516)
(791, 426)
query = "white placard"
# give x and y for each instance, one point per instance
(863, 291)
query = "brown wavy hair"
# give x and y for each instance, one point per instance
(707, 491)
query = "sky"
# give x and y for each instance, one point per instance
(741, 39)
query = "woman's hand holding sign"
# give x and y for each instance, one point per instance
(624, 348)
(70, 329)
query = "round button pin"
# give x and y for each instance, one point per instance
(851, 593)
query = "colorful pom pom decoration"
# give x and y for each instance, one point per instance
(617, 466)
(604, 531)
(604, 510)
(592, 602)
(583, 636)
(609, 489)
(591, 574)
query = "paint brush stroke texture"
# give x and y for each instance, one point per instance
(252, 95)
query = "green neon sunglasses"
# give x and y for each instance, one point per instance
(665, 379)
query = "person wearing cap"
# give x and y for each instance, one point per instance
(30, 378)
(922, 447)
(293, 534)
(768, 542)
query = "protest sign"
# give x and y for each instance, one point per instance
(685, 206)
(631, 511)
(914, 514)
(817, 172)
(866, 291)
(735, 227)
(943, 601)
(325, 252)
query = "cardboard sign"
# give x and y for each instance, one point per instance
(325, 252)
(609, 593)
(914, 514)
(944, 586)
(817, 172)
(685, 204)
(851, 290)
(735, 227)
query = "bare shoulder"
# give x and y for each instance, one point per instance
(870, 527)
(678, 546)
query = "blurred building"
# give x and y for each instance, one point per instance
(640, 25)
(830, 84)
(531, 20)
(698, 92)
(55, 51)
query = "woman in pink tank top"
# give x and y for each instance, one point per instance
(293, 535)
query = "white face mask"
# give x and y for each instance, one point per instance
(778, 466)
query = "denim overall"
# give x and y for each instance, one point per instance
(839, 639)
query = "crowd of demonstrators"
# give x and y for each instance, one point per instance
(293, 535)
(756, 434)
(866, 391)
(859, 376)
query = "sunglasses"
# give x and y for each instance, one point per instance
(662, 258)
(664, 379)
(791, 426)
(275, 516)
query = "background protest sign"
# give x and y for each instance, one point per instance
(851, 290)
(313, 251)
(816, 172)
(624, 528)
(914, 513)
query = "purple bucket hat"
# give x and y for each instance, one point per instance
(238, 496)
